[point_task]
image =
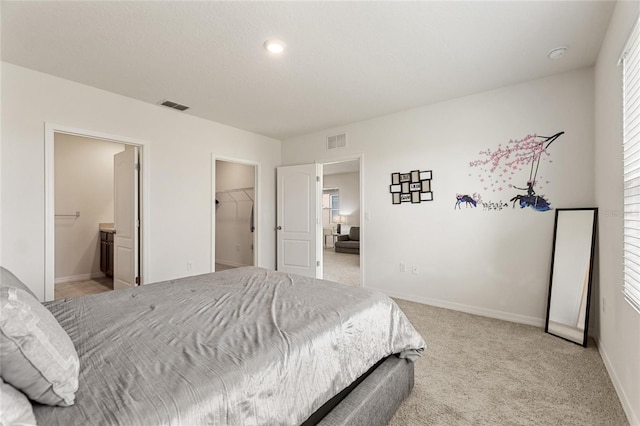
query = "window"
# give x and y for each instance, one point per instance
(335, 208)
(330, 207)
(631, 132)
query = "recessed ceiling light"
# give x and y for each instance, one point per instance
(274, 46)
(557, 53)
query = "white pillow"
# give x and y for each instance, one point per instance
(7, 279)
(37, 355)
(15, 408)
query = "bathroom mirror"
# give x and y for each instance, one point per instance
(571, 270)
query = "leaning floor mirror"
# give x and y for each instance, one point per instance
(571, 271)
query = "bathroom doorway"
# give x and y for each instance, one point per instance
(95, 185)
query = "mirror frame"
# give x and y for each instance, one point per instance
(591, 261)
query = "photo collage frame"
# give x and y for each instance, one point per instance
(413, 187)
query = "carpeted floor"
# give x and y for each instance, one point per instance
(482, 371)
(341, 267)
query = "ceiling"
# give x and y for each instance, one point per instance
(344, 61)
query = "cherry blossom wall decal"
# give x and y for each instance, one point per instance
(498, 166)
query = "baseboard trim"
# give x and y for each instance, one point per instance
(633, 419)
(80, 277)
(491, 313)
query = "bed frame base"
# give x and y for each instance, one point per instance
(375, 399)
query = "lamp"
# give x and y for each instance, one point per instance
(342, 220)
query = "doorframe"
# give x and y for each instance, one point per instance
(50, 129)
(359, 157)
(256, 204)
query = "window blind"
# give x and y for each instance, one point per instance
(631, 148)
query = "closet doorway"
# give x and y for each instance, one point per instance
(235, 214)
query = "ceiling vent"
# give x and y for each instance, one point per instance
(174, 105)
(337, 141)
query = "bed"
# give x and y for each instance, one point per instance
(247, 346)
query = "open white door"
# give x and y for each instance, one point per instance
(297, 220)
(126, 218)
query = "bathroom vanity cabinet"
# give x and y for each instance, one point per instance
(106, 252)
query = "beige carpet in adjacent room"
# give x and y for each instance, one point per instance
(482, 371)
(341, 267)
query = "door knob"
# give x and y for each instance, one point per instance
(279, 228)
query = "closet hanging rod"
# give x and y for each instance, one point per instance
(77, 215)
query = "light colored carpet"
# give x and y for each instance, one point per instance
(341, 267)
(482, 371)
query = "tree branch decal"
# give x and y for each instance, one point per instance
(497, 169)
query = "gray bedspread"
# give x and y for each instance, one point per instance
(247, 346)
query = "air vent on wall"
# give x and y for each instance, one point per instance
(174, 105)
(337, 141)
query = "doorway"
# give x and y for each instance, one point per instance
(300, 235)
(341, 222)
(84, 208)
(93, 187)
(235, 214)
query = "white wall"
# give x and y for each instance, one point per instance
(618, 325)
(84, 183)
(180, 227)
(490, 262)
(234, 238)
(348, 185)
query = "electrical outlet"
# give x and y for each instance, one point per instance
(403, 267)
(414, 269)
(604, 305)
(189, 265)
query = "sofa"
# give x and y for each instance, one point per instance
(349, 243)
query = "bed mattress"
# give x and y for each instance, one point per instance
(247, 346)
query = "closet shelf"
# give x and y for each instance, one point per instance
(235, 195)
